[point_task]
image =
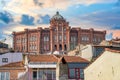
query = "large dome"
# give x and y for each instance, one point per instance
(57, 16)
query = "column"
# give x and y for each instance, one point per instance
(51, 39)
(62, 39)
(39, 40)
(68, 38)
(91, 35)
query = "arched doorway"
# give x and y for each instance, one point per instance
(55, 47)
(65, 47)
(60, 47)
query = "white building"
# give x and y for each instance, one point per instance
(105, 67)
(10, 58)
(91, 51)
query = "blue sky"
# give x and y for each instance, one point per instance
(15, 15)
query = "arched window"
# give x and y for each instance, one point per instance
(55, 47)
(65, 47)
(60, 47)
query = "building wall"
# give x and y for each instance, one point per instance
(106, 67)
(87, 52)
(45, 41)
(62, 71)
(13, 72)
(11, 57)
(59, 36)
(76, 67)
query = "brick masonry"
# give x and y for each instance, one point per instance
(59, 36)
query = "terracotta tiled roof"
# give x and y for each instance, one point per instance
(54, 58)
(15, 64)
(75, 59)
(43, 58)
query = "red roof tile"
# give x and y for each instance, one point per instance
(15, 64)
(54, 58)
(75, 59)
(42, 58)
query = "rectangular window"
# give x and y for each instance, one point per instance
(4, 76)
(46, 38)
(60, 37)
(44, 75)
(5, 60)
(65, 37)
(81, 73)
(72, 73)
(55, 38)
(76, 73)
(34, 74)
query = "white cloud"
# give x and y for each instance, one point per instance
(16, 27)
(43, 7)
(19, 27)
(46, 6)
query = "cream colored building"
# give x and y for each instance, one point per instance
(105, 67)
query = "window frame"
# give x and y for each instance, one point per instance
(4, 60)
(77, 73)
(5, 75)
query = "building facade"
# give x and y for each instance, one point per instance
(10, 58)
(59, 36)
(56, 67)
(45, 67)
(105, 67)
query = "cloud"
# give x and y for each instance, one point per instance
(116, 27)
(116, 33)
(6, 17)
(108, 19)
(44, 19)
(32, 7)
(27, 20)
(32, 13)
(104, 18)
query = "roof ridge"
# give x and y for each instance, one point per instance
(55, 57)
(111, 50)
(12, 63)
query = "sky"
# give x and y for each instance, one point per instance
(16, 15)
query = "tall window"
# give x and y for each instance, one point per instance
(64, 29)
(73, 42)
(60, 37)
(76, 73)
(81, 73)
(85, 38)
(46, 38)
(72, 73)
(65, 37)
(4, 76)
(55, 37)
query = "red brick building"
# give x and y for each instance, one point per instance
(59, 36)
